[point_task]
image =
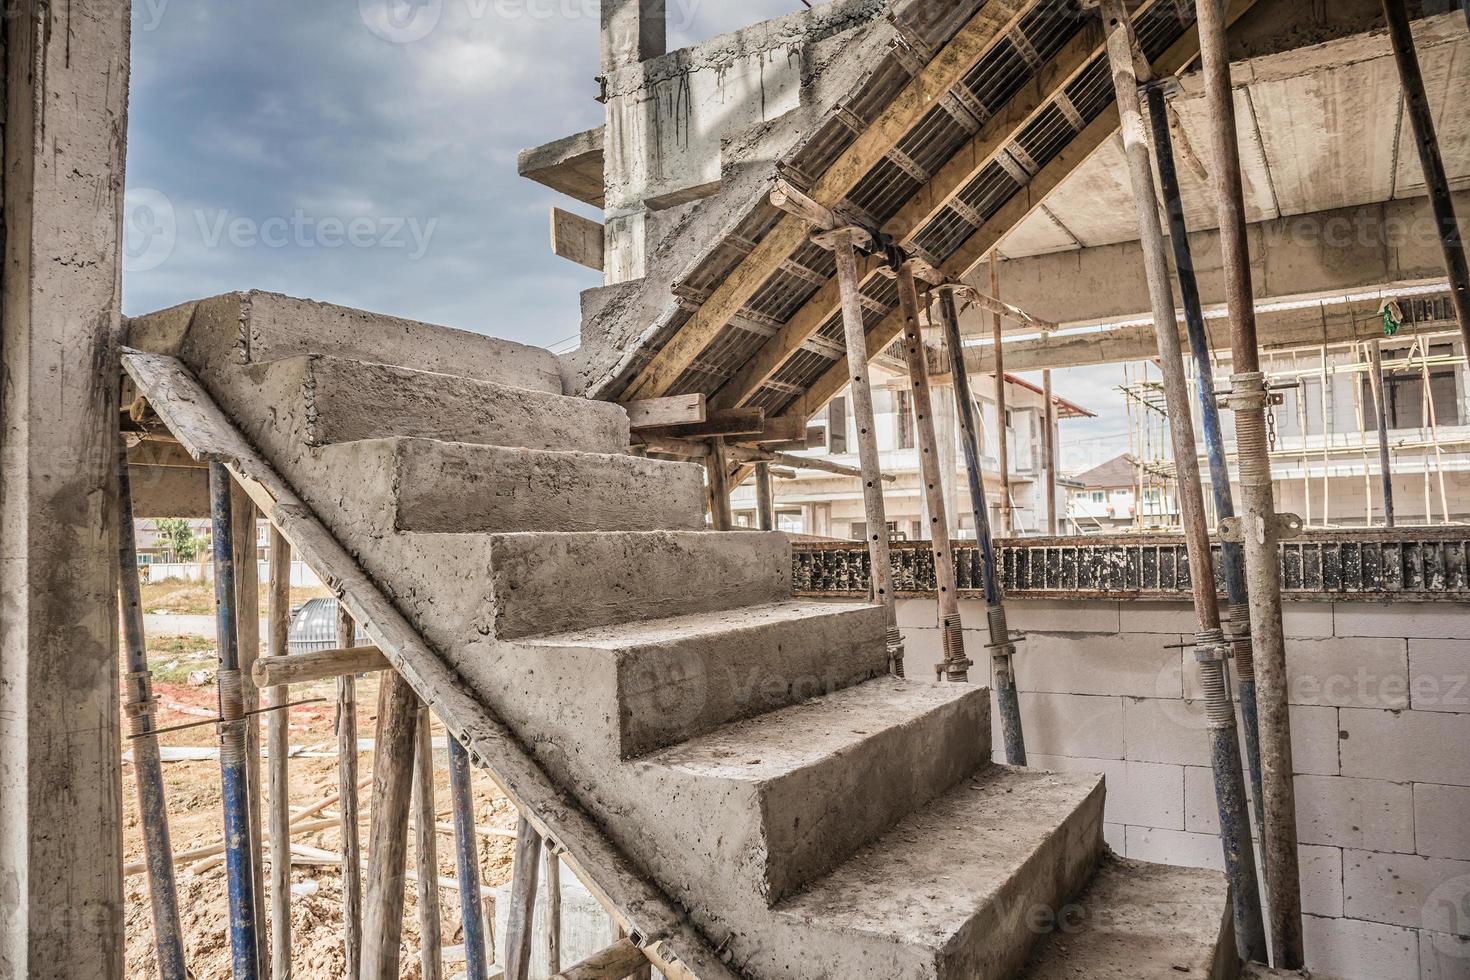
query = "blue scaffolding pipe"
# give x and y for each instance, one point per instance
(244, 953)
(468, 861)
(1194, 320)
(1001, 646)
(168, 937)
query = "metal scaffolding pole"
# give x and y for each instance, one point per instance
(278, 626)
(168, 937)
(1002, 445)
(1210, 650)
(1194, 318)
(1262, 560)
(467, 861)
(244, 953)
(1002, 647)
(1380, 417)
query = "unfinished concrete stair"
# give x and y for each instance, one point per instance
(816, 818)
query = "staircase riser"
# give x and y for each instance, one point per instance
(445, 489)
(350, 400)
(551, 583)
(771, 838)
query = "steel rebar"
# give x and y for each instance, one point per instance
(244, 953)
(1235, 834)
(1258, 504)
(168, 937)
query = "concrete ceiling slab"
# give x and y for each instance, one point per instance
(1446, 69)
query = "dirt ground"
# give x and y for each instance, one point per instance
(196, 820)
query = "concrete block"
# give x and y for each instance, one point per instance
(458, 488)
(1321, 878)
(1169, 731)
(1077, 725)
(1361, 672)
(1407, 890)
(1442, 821)
(1201, 814)
(1368, 814)
(1439, 675)
(1146, 795)
(1409, 746)
(1149, 616)
(1307, 620)
(1406, 619)
(1069, 663)
(624, 577)
(1314, 740)
(771, 801)
(1063, 615)
(1175, 847)
(1349, 949)
(1443, 956)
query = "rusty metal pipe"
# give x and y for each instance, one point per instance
(1235, 831)
(1263, 571)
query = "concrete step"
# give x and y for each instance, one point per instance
(335, 399)
(258, 327)
(659, 682)
(1141, 921)
(776, 801)
(957, 890)
(544, 583)
(458, 488)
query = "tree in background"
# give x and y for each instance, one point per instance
(180, 537)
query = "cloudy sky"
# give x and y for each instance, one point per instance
(363, 152)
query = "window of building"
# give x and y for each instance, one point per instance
(1403, 385)
(837, 426)
(905, 420)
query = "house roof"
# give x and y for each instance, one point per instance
(1120, 471)
(1065, 409)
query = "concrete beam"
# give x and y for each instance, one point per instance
(572, 165)
(66, 87)
(1308, 326)
(1338, 251)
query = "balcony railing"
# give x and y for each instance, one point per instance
(1416, 564)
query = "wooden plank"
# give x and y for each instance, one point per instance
(553, 909)
(653, 413)
(278, 622)
(524, 874)
(393, 779)
(243, 518)
(725, 422)
(674, 945)
(719, 486)
(610, 963)
(426, 850)
(347, 787)
(318, 665)
(578, 239)
(920, 95)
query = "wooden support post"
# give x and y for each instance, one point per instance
(524, 873)
(717, 466)
(278, 627)
(553, 908)
(1380, 415)
(956, 665)
(426, 851)
(612, 963)
(1421, 115)
(1002, 445)
(393, 779)
(347, 786)
(844, 242)
(1258, 510)
(1049, 450)
(318, 665)
(765, 508)
(247, 632)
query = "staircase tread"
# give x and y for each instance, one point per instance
(790, 739)
(928, 877)
(695, 625)
(1139, 921)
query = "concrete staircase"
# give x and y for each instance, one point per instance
(817, 818)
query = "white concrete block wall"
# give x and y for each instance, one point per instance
(1380, 715)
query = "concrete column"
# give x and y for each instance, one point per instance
(66, 84)
(632, 32)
